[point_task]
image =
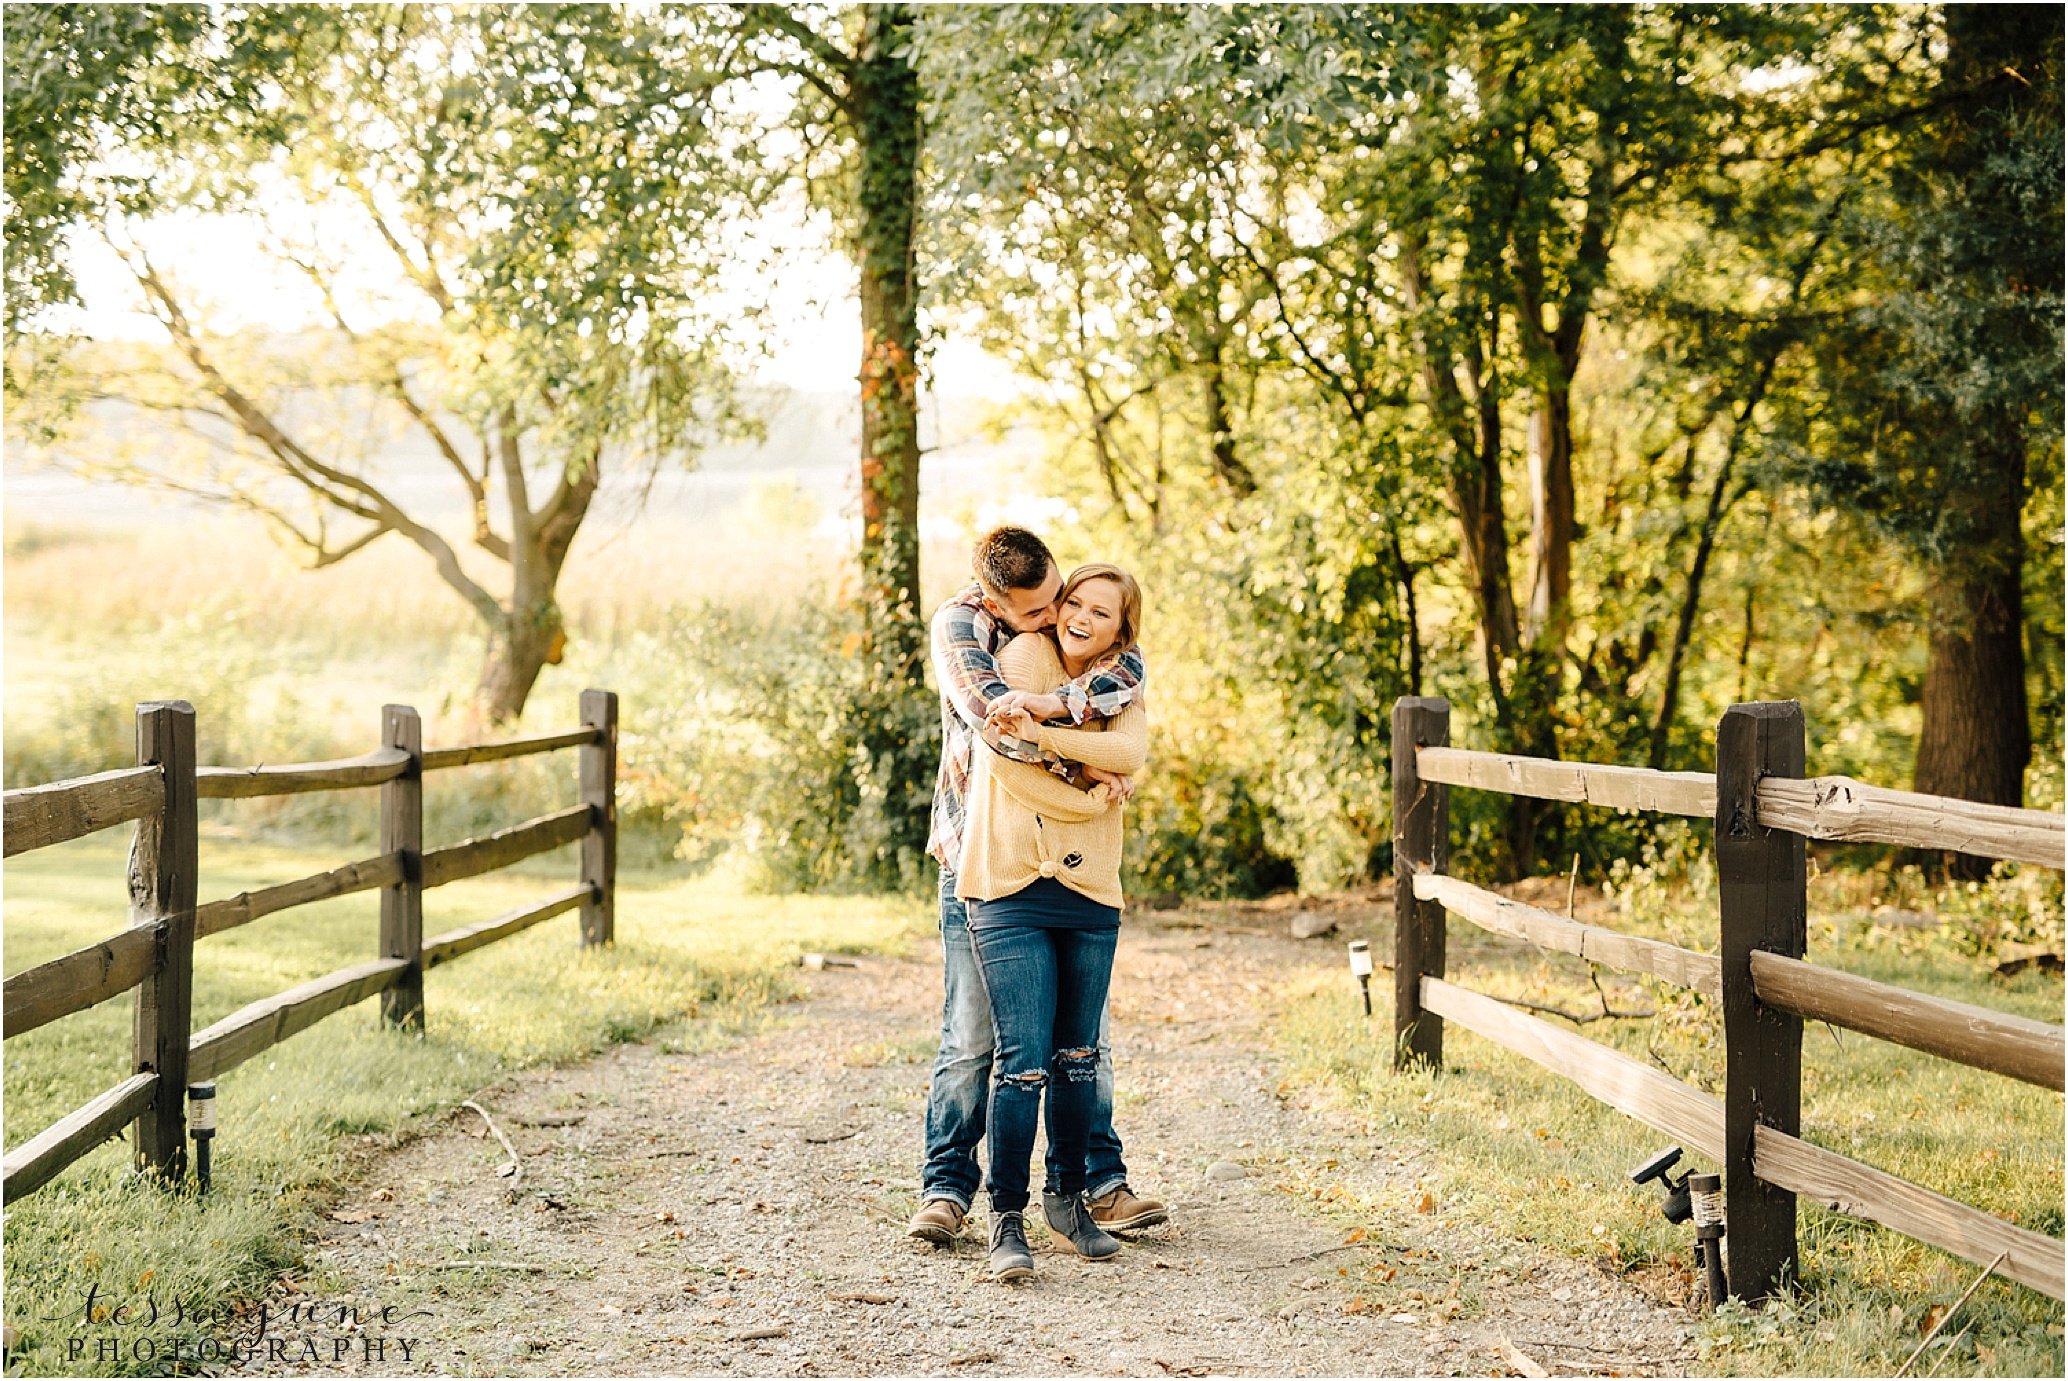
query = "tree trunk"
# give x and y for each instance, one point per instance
(887, 128)
(1522, 692)
(531, 635)
(1976, 739)
(896, 741)
(1551, 514)
(1227, 465)
(517, 652)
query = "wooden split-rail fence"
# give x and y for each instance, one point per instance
(155, 955)
(1764, 809)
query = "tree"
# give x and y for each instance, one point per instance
(551, 190)
(1945, 386)
(858, 108)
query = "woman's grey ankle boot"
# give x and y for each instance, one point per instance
(1071, 1221)
(1010, 1258)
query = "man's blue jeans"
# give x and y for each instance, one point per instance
(958, 1098)
(1048, 991)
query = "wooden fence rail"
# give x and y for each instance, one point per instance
(1837, 809)
(1764, 809)
(155, 955)
(37, 816)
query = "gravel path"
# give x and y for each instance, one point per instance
(741, 1213)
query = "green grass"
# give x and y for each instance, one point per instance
(695, 962)
(1520, 1149)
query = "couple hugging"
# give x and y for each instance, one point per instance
(1042, 732)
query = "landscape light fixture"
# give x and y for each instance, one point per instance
(1360, 969)
(201, 1122)
(1706, 1191)
(1699, 1197)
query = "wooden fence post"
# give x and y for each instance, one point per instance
(1421, 842)
(599, 778)
(402, 905)
(164, 886)
(1763, 893)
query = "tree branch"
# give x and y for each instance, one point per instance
(426, 275)
(511, 456)
(393, 381)
(778, 19)
(298, 462)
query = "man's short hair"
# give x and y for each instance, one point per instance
(1011, 558)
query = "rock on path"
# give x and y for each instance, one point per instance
(741, 1213)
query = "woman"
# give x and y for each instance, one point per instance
(1041, 876)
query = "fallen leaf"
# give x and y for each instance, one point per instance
(1931, 1318)
(1427, 1205)
(971, 1359)
(1354, 1235)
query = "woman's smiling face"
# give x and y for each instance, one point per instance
(1089, 622)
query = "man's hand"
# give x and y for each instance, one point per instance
(1037, 706)
(1120, 788)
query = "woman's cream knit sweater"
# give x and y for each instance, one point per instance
(1024, 822)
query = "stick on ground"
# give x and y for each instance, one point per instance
(516, 1165)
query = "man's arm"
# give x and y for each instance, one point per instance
(968, 673)
(1100, 693)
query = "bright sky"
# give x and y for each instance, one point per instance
(225, 261)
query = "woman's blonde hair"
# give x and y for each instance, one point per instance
(1130, 600)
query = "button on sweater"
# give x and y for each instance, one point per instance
(1027, 823)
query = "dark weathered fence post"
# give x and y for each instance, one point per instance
(1763, 887)
(164, 886)
(599, 779)
(1421, 843)
(402, 905)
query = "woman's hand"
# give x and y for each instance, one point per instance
(1121, 789)
(1012, 722)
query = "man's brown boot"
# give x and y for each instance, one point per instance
(938, 1220)
(1124, 1210)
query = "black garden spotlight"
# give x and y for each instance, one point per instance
(1360, 969)
(1699, 1197)
(201, 1123)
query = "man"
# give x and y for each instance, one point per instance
(1015, 592)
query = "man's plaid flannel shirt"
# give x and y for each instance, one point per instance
(966, 643)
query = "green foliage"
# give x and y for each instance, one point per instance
(1321, 282)
(770, 745)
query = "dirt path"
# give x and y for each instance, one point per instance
(741, 1213)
